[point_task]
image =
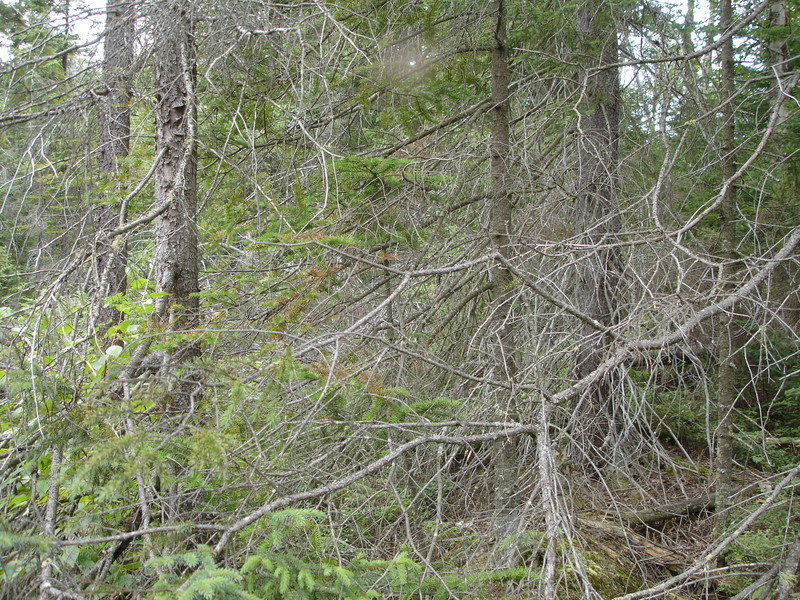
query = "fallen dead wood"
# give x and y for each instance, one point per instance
(643, 549)
(784, 442)
(665, 512)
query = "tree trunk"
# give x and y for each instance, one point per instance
(597, 223)
(778, 51)
(176, 262)
(691, 88)
(110, 260)
(504, 457)
(726, 385)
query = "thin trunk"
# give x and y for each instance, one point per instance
(46, 589)
(726, 389)
(65, 58)
(549, 502)
(597, 223)
(690, 83)
(787, 576)
(504, 456)
(778, 51)
(176, 256)
(687, 32)
(115, 129)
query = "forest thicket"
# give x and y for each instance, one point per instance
(399, 299)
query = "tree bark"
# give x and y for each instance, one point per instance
(596, 222)
(110, 259)
(778, 51)
(176, 252)
(787, 576)
(727, 346)
(504, 457)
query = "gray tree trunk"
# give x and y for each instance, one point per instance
(778, 51)
(727, 345)
(504, 457)
(110, 260)
(176, 252)
(596, 219)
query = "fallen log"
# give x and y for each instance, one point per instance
(665, 512)
(642, 549)
(784, 442)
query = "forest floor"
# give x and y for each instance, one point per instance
(632, 528)
(653, 524)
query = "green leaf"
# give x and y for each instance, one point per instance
(114, 351)
(98, 363)
(139, 285)
(69, 556)
(18, 500)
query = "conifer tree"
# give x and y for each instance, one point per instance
(176, 242)
(500, 228)
(115, 124)
(597, 224)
